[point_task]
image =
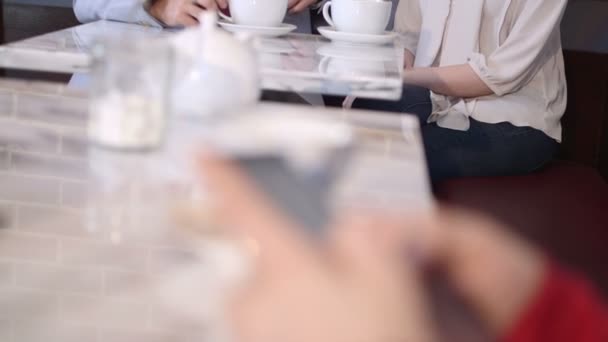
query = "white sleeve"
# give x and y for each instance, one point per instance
(408, 22)
(525, 50)
(130, 11)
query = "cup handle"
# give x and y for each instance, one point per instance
(225, 17)
(326, 15)
(324, 65)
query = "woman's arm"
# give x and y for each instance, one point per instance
(456, 80)
(507, 69)
(532, 41)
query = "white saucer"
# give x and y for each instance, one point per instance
(357, 38)
(273, 45)
(356, 52)
(274, 31)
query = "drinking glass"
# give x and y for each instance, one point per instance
(130, 92)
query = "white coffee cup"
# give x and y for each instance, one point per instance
(260, 13)
(358, 16)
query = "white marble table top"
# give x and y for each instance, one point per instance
(91, 247)
(297, 62)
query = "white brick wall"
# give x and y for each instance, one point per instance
(7, 215)
(28, 137)
(73, 333)
(66, 111)
(7, 274)
(34, 218)
(85, 253)
(4, 159)
(6, 330)
(39, 276)
(51, 264)
(15, 245)
(128, 336)
(29, 189)
(73, 194)
(7, 102)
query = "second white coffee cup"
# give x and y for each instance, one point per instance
(260, 13)
(358, 16)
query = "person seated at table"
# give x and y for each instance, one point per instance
(171, 13)
(365, 281)
(486, 78)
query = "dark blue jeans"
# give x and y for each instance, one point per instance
(484, 150)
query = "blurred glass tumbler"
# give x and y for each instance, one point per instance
(130, 92)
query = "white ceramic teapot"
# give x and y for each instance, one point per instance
(215, 71)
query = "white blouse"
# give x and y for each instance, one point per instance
(514, 46)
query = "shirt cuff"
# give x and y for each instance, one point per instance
(408, 42)
(479, 65)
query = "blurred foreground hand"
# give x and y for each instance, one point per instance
(364, 282)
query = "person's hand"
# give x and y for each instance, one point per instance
(183, 12)
(353, 287)
(297, 6)
(358, 285)
(497, 272)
